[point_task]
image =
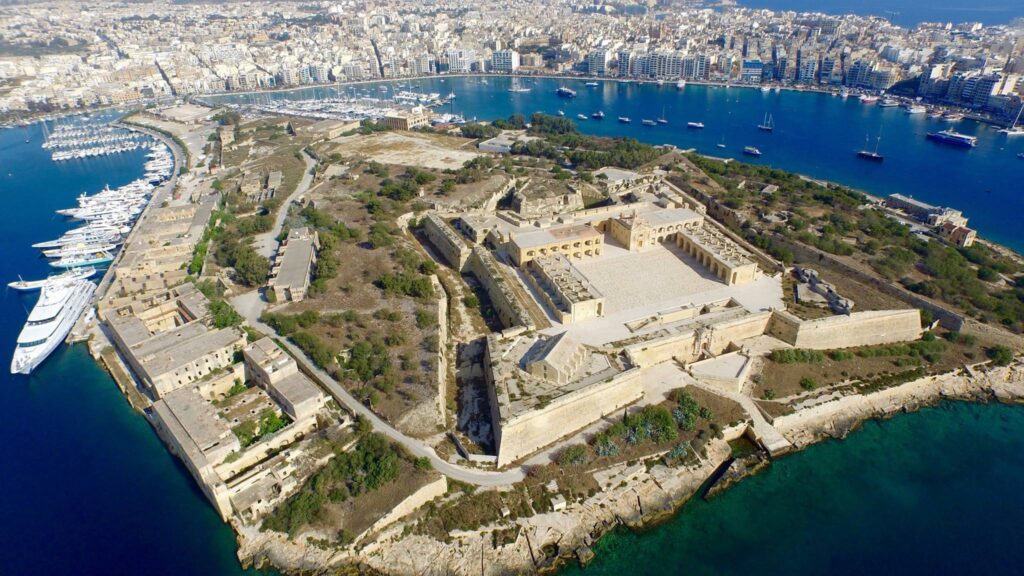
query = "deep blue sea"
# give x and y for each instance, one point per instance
(815, 134)
(87, 486)
(909, 13)
(89, 489)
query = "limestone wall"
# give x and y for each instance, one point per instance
(651, 352)
(443, 350)
(487, 271)
(858, 329)
(949, 318)
(261, 450)
(735, 331)
(447, 242)
(418, 498)
(181, 444)
(525, 434)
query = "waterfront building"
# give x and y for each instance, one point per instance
(751, 71)
(597, 63)
(505, 61)
(407, 119)
(459, 60)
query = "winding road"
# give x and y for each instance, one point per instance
(266, 243)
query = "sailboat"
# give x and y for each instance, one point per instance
(869, 154)
(662, 119)
(1014, 130)
(516, 87)
(722, 143)
(768, 124)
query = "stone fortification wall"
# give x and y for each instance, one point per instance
(447, 241)
(858, 329)
(181, 444)
(526, 433)
(443, 350)
(688, 346)
(728, 332)
(949, 319)
(487, 271)
(418, 498)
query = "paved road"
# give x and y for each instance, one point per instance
(250, 305)
(266, 243)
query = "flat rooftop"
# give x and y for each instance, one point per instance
(199, 419)
(296, 260)
(177, 353)
(554, 235)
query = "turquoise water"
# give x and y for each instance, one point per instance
(816, 134)
(934, 492)
(87, 486)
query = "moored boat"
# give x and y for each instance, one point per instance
(953, 138)
(55, 313)
(83, 260)
(751, 151)
(72, 274)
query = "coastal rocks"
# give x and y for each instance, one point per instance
(835, 419)
(632, 495)
(737, 470)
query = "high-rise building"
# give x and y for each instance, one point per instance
(805, 73)
(751, 71)
(625, 62)
(460, 60)
(424, 65)
(505, 61)
(597, 63)
(859, 74)
(827, 69)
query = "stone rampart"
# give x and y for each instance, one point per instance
(487, 271)
(526, 433)
(446, 240)
(418, 498)
(858, 329)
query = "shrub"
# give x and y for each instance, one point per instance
(575, 454)
(808, 383)
(793, 356)
(1000, 355)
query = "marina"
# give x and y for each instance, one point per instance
(836, 126)
(106, 218)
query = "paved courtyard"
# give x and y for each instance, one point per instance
(637, 285)
(630, 280)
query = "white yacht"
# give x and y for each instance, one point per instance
(72, 274)
(60, 304)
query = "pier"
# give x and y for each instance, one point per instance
(83, 328)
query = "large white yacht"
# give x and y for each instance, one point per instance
(60, 304)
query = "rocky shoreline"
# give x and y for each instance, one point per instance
(638, 495)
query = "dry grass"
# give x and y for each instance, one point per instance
(783, 380)
(355, 515)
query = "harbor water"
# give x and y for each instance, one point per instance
(89, 488)
(815, 134)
